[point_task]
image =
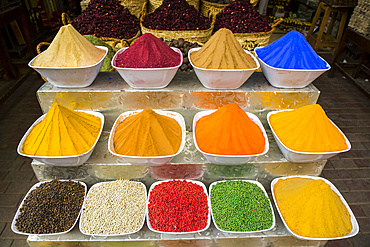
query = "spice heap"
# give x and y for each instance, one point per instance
(62, 132)
(240, 206)
(147, 134)
(307, 129)
(178, 206)
(184, 47)
(292, 51)
(311, 208)
(175, 15)
(148, 52)
(107, 66)
(51, 208)
(222, 51)
(114, 208)
(69, 49)
(241, 17)
(107, 18)
(229, 131)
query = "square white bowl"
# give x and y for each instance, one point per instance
(289, 78)
(70, 77)
(109, 235)
(303, 157)
(148, 160)
(147, 78)
(264, 191)
(355, 227)
(73, 160)
(14, 228)
(187, 180)
(222, 78)
(220, 159)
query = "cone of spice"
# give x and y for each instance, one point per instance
(229, 131)
(148, 52)
(222, 51)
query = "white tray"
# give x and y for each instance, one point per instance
(14, 228)
(355, 227)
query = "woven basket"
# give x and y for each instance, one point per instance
(84, 4)
(207, 7)
(154, 4)
(249, 41)
(200, 36)
(360, 18)
(134, 6)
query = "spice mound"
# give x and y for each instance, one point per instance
(178, 206)
(69, 49)
(116, 207)
(240, 206)
(241, 17)
(229, 131)
(222, 51)
(175, 15)
(62, 132)
(107, 18)
(107, 66)
(52, 207)
(147, 134)
(148, 52)
(307, 129)
(311, 208)
(292, 51)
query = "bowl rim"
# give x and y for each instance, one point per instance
(145, 69)
(224, 70)
(354, 223)
(298, 152)
(252, 116)
(20, 145)
(126, 114)
(264, 191)
(69, 68)
(110, 235)
(294, 70)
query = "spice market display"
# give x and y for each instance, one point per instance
(188, 190)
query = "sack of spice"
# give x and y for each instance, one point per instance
(216, 6)
(176, 19)
(154, 4)
(249, 27)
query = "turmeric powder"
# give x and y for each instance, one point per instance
(147, 134)
(229, 131)
(62, 132)
(311, 208)
(307, 129)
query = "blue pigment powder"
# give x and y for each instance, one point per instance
(291, 51)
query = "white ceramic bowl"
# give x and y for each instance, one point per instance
(222, 78)
(229, 159)
(355, 227)
(14, 228)
(289, 78)
(208, 202)
(147, 77)
(70, 77)
(302, 157)
(148, 160)
(108, 235)
(73, 160)
(264, 191)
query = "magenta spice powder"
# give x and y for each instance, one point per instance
(148, 52)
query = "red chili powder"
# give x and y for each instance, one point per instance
(178, 206)
(148, 52)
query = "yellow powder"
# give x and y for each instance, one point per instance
(147, 134)
(62, 132)
(311, 208)
(69, 49)
(307, 129)
(222, 51)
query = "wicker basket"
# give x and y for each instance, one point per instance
(200, 36)
(154, 4)
(84, 4)
(249, 41)
(134, 6)
(360, 18)
(207, 7)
